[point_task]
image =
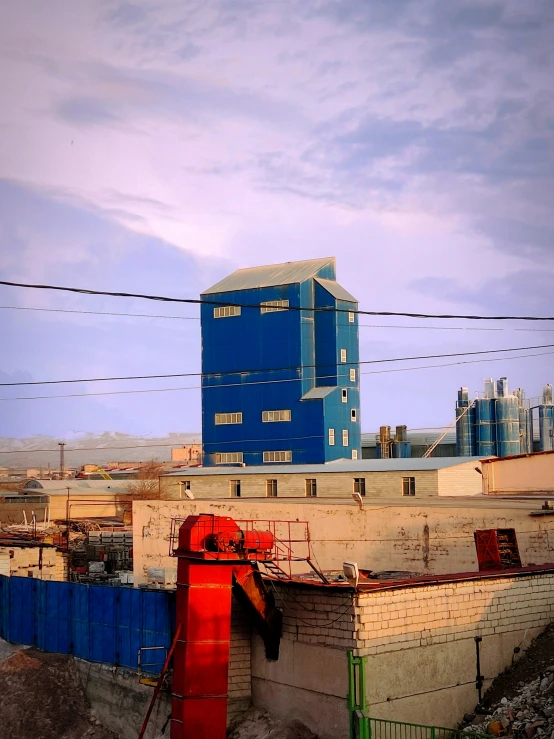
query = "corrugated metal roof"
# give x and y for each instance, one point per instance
(52, 486)
(340, 465)
(318, 392)
(336, 290)
(287, 273)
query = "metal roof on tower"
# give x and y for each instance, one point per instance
(336, 290)
(288, 273)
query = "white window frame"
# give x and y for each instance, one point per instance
(344, 395)
(331, 437)
(229, 458)
(226, 311)
(228, 419)
(310, 487)
(275, 416)
(343, 356)
(354, 454)
(273, 306)
(279, 456)
(359, 484)
(409, 484)
(352, 375)
(345, 437)
(234, 489)
(351, 317)
(353, 415)
(271, 488)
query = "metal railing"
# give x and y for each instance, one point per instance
(383, 729)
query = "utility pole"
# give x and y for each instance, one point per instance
(61, 444)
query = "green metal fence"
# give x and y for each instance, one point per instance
(363, 726)
(382, 729)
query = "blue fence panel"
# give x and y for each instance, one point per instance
(103, 623)
(129, 627)
(80, 635)
(22, 617)
(53, 609)
(94, 622)
(4, 607)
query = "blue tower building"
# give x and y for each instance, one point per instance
(280, 372)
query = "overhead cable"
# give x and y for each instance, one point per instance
(198, 301)
(273, 369)
(197, 318)
(267, 382)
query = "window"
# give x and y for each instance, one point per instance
(408, 486)
(311, 488)
(228, 458)
(271, 488)
(331, 437)
(350, 317)
(352, 375)
(227, 418)
(344, 394)
(278, 456)
(234, 488)
(345, 437)
(226, 311)
(354, 454)
(273, 416)
(343, 355)
(273, 306)
(359, 485)
(353, 415)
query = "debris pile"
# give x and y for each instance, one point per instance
(260, 725)
(41, 697)
(520, 702)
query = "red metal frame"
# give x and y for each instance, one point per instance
(282, 542)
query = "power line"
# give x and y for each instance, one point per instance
(276, 369)
(98, 313)
(267, 382)
(198, 301)
(196, 318)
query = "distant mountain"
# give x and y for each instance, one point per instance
(110, 446)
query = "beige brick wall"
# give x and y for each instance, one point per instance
(461, 480)
(329, 484)
(240, 668)
(391, 621)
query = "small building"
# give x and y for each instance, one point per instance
(76, 498)
(187, 453)
(375, 478)
(521, 474)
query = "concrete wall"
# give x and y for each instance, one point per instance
(13, 512)
(520, 475)
(461, 480)
(329, 484)
(309, 681)
(421, 640)
(418, 641)
(436, 537)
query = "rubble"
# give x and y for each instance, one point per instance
(258, 724)
(520, 702)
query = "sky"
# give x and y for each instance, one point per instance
(155, 147)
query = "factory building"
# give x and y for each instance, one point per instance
(280, 367)
(499, 423)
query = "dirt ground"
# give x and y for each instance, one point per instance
(41, 697)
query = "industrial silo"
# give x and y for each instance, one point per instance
(465, 425)
(525, 436)
(507, 426)
(546, 420)
(401, 447)
(383, 443)
(485, 427)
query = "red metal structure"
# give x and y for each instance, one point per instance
(218, 556)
